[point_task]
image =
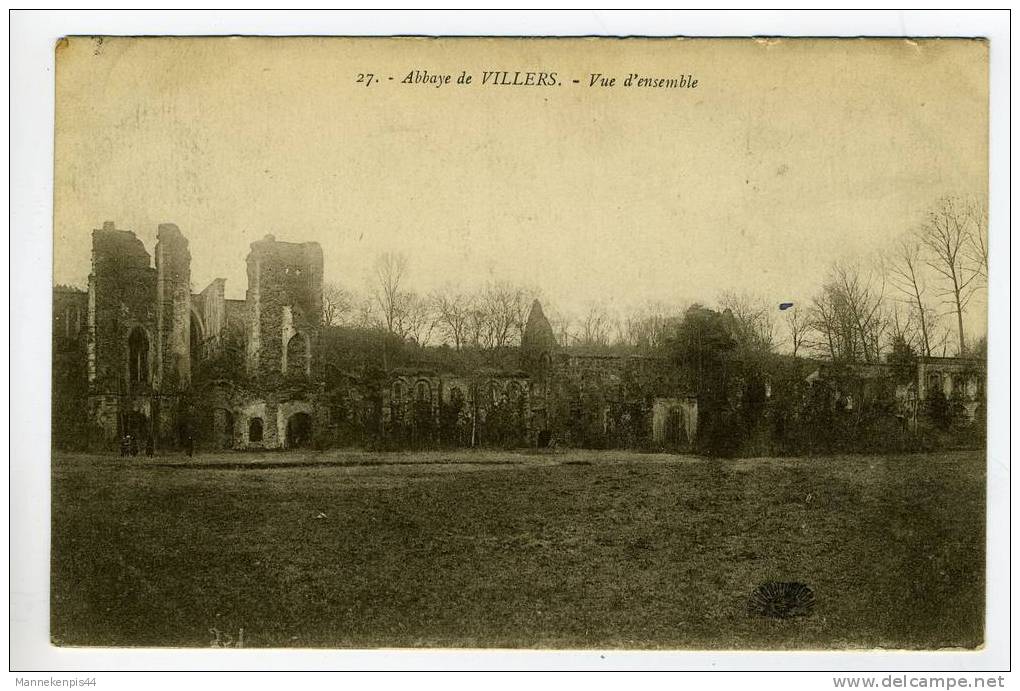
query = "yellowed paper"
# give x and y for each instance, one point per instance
(560, 343)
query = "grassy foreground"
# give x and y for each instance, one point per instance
(503, 549)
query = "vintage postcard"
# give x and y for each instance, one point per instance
(520, 343)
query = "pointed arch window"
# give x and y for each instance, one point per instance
(297, 355)
(138, 355)
(423, 392)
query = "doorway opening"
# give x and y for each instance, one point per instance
(299, 431)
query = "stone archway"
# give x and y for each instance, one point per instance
(223, 428)
(138, 355)
(255, 430)
(674, 428)
(299, 431)
(298, 355)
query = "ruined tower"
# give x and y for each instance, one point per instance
(134, 345)
(119, 301)
(538, 347)
(538, 342)
(121, 332)
(173, 309)
(284, 308)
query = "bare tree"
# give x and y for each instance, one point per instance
(562, 324)
(906, 275)
(649, 326)
(594, 326)
(453, 316)
(501, 304)
(477, 324)
(827, 324)
(754, 320)
(977, 212)
(365, 314)
(618, 329)
(947, 234)
(797, 326)
(338, 305)
(848, 315)
(390, 270)
(415, 318)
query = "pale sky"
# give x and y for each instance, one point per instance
(787, 156)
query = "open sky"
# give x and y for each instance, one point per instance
(786, 156)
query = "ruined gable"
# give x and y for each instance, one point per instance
(538, 342)
(120, 301)
(209, 319)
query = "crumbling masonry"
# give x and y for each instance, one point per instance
(142, 354)
(129, 350)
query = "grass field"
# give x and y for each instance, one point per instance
(503, 549)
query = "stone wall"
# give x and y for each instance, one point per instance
(284, 301)
(70, 314)
(70, 429)
(609, 401)
(411, 407)
(674, 422)
(130, 351)
(139, 336)
(148, 335)
(121, 299)
(279, 400)
(173, 309)
(247, 417)
(960, 379)
(122, 335)
(210, 309)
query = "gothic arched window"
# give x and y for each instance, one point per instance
(297, 355)
(423, 392)
(138, 355)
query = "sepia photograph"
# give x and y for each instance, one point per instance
(520, 343)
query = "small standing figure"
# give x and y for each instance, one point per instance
(125, 445)
(133, 445)
(189, 445)
(150, 447)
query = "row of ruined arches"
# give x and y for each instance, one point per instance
(422, 391)
(139, 349)
(68, 323)
(513, 392)
(960, 385)
(298, 430)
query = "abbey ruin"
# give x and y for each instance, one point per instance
(138, 353)
(133, 347)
